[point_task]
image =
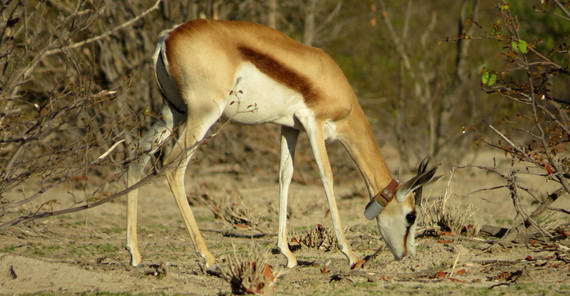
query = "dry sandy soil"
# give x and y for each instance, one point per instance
(84, 252)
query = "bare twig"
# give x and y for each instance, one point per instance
(40, 215)
(31, 67)
(562, 8)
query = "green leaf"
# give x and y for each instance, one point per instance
(492, 79)
(519, 46)
(485, 77)
(522, 46)
(489, 78)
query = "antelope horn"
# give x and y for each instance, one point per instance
(421, 169)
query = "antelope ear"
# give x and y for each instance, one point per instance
(416, 182)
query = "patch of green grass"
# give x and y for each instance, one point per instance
(40, 249)
(420, 248)
(107, 248)
(8, 249)
(74, 224)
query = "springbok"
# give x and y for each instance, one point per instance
(252, 74)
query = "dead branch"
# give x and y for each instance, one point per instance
(229, 233)
(522, 228)
(46, 214)
(27, 71)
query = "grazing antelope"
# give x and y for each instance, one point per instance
(209, 70)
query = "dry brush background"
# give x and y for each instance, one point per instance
(449, 79)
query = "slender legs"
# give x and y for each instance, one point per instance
(176, 163)
(149, 144)
(178, 159)
(288, 141)
(316, 138)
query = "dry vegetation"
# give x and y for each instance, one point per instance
(77, 90)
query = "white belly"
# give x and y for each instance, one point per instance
(256, 98)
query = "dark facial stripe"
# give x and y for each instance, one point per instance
(278, 71)
(406, 241)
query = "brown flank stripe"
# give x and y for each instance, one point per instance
(279, 72)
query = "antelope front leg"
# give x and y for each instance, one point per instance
(316, 138)
(288, 141)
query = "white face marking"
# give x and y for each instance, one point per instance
(396, 230)
(256, 98)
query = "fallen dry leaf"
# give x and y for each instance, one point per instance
(439, 275)
(461, 271)
(268, 274)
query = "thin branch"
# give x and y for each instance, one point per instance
(40, 215)
(562, 8)
(399, 44)
(502, 136)
(27, 72)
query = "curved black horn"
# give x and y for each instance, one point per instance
(421, 169)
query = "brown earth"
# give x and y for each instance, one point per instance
(83, 252)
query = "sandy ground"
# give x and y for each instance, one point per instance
(84, 252)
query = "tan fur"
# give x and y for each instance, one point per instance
(393, 207)
(309, 70)
(215, 48)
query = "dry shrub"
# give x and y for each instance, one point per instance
(318, 237)
(229, 209)
(552, 222)
(437, 214)
(249, 272)
(239, 215)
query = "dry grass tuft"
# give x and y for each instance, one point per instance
(439, 215)
(229, 209)
(318, 237)
(249, 272)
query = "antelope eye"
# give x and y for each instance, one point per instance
(411, 217)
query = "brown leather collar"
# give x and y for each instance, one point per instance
(388, 193)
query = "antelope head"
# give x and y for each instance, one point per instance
(397, 219)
